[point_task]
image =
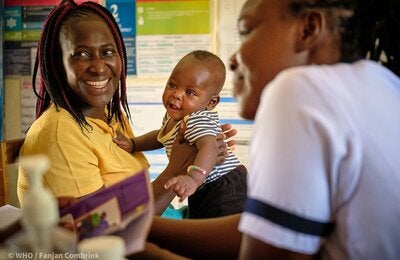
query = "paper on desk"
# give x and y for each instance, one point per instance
(9, 215)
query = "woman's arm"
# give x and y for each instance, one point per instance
(212, 238)
(252, 248)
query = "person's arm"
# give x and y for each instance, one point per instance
(147, 142)
(206, 157)
(152, 252)
(212, 238)
(252, 248)
(187, 184)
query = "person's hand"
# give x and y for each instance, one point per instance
(64, 202)
(182, 185)
(223, 140)
(123, 142)
(229, 132)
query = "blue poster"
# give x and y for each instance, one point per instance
(124, 12)
(12, 16)
(130, 45)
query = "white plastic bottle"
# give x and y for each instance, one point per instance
(39, 207)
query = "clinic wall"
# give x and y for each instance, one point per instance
(156, 34)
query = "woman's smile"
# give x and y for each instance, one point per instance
(97, 84)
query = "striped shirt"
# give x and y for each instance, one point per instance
(199, 124)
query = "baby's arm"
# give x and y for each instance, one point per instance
(144, 142)
(147, 141)
(186, 185)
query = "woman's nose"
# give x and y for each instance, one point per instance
(98, 65)
(233, 64)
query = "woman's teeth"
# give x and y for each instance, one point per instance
(97, 84)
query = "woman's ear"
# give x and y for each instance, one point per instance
(213, 102)
(310, 29)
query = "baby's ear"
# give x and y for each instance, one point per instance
(214, 100)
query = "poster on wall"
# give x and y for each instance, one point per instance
(124, 12)
(167, 30)
(227, 37)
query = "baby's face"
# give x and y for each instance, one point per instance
(191, 87)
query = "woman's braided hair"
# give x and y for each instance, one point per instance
(371, 31)
(53, 83)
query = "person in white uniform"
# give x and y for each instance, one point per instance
(321, 79)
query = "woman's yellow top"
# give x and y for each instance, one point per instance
(81, 161)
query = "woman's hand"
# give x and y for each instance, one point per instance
(227, 133)
(64, 202)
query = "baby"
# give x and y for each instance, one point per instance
(191, 96)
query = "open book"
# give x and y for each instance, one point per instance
(123, 209)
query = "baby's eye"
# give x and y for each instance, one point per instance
(190, 92)
(171, 85)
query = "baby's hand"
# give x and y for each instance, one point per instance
(182, 185)
(123, 142)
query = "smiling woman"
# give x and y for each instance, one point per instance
(91, 61)
(81, 105)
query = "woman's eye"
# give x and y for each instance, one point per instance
(109, 52)
(244, 32)
(244, 28)
(81, 54)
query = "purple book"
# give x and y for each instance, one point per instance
(109, 209)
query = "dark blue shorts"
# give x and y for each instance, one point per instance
(224, 196)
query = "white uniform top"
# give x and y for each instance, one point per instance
(326, 150)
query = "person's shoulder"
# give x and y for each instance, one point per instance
(307, 73)
(54, 118)
(318, 77)
(293, 81)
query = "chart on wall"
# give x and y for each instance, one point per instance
(166, 30)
